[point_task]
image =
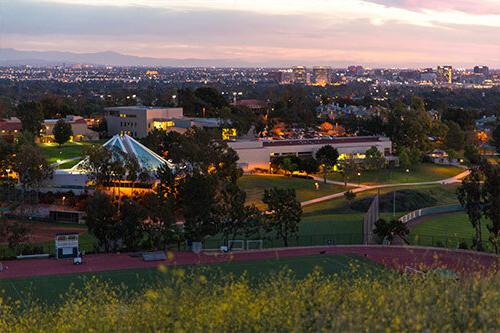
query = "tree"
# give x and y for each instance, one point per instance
(410, 127)
(53, 106)
(388, 230)
(235, 216)
(7, 152)
(491, 202)
(132, 216)
(309, 165)
(349, 196)
(374, 159)
(328, 156)
(200, 150)
(198, 203)
(288, 164)
(455, 137)
(469, 195)
(349, 168)
(101, 166)
(101, 220)
(15, 233)
(62, 132)
(284, 212)
(31, 116)
(472, 155)
(404, 158)
(495, 136)
(32, 167)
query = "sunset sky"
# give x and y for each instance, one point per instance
(404, 33)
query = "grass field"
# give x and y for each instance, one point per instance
(336, 217)
(53, 152)
(450, 229)
(50, 288)
(254, 186)
(422, 173)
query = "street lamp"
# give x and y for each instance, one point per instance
(407, 174)
(359, 178)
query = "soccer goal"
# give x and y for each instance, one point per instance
(254, 244)
(236, 245)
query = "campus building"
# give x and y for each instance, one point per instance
(77, 180)
(138, 121)
(79, 127)
(259, 153)
(10, 128)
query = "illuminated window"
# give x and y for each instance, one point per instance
(163, 125)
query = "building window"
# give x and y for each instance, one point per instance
(387, 151)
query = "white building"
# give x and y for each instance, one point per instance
(258, 154)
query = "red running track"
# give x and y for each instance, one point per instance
(398, 257)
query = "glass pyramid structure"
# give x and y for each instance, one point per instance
(120, 145)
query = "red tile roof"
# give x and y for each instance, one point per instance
(10, 125)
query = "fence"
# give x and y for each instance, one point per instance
(440, 241)
(430, 211)
(304, 240)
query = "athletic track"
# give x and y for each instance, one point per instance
(398, 257)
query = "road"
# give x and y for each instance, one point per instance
(361, 188)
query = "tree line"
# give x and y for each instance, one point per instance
(197, 199)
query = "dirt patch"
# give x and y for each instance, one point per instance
(40, 232)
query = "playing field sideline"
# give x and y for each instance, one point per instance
(397, 257)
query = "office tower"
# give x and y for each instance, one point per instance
(299, 75)
(445, 73)
(322, 75)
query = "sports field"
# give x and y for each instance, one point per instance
(422, 173)
(254, 186)
(50, 288)
(336, 217)
(447, 229)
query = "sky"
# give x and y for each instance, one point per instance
(390, 33)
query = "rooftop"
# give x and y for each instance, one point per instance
(125, 144)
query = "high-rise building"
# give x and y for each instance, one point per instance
(356, 70)
(445, 73)
(299, 75)
(481, 70)
(322, 75)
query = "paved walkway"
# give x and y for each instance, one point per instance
(396, 257)
(59, 162)
(361, 188)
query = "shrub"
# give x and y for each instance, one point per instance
(439, 244)
(279, 303)
(406, 200)
(463, 246)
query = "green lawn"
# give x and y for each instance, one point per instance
(449, 229)
(422, 173)
(50, 288)
(335, 217)
(254, 186)
(53, 152)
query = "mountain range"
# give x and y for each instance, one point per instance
(12, 57)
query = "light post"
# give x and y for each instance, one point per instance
(359, 178)
(407, 174)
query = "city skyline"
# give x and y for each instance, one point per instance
(377, 33)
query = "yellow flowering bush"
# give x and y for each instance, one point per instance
(185, 302)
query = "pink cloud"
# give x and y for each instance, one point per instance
(467, 6)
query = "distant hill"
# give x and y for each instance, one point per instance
(11, 57)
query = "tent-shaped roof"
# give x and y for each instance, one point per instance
(125, 144)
